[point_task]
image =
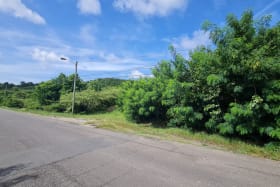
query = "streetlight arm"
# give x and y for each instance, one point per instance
(62, 58)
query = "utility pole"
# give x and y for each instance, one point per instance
(74, 87)
(74, 83)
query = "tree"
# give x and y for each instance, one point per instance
(50, 91)
(47, 92)
(232, 88)
(100, 84)
(248, 53)
(141, 100)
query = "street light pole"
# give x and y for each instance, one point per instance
(74, 84)
(74, 87)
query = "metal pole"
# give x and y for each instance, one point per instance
(74, 87)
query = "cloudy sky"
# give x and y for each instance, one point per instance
(109, 38)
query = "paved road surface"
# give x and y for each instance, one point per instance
(40, 151)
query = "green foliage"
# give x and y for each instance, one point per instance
(15, 95)
(232, 89)
(248, 92)
(47, 92)
(238, 120)
(50, 91)
(183, 117)
(100, 84)
(14, 102)
(273, 146)
(54, 107)
(31, 103)
(213, 80)
(89, 101)
(140, 100)
(56, 95)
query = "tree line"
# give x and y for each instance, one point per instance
(56, 94)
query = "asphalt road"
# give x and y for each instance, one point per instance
(40, 151)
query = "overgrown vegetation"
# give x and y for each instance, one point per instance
(230, 89)
(18, 96)
(56, 95)
(89, 101)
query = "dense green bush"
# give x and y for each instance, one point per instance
(56, 94)
(14, 97)
(31, 103)
(100, 84)
(54, 107)
(232, 88)
(50, 91)
(141, 100)
(89, 101)
(13, 102)
(183, 117)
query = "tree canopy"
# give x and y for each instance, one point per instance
(232, 88)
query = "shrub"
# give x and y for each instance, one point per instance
(89, 101)
(55, 107)
(141, 100)
(32, 104)
(13, 102)
(183, 117)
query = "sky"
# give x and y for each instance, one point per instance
(109, 38)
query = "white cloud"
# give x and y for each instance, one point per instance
(87, 34)
(89, 6)
(135, 74)
(18, 9)
(23, 50)
(187, 43)
(45, 56)
(112, 58)
(111, 62)
(101, 66)
(150, 7)
(25, 71)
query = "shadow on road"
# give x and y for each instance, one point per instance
(8, 170)
(17, 180)
(5, 172)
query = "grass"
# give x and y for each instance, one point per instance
(116, 121)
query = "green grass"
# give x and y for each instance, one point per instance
(116, 121)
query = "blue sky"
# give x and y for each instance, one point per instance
(109, 38)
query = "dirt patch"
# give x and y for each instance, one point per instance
(71, 120)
